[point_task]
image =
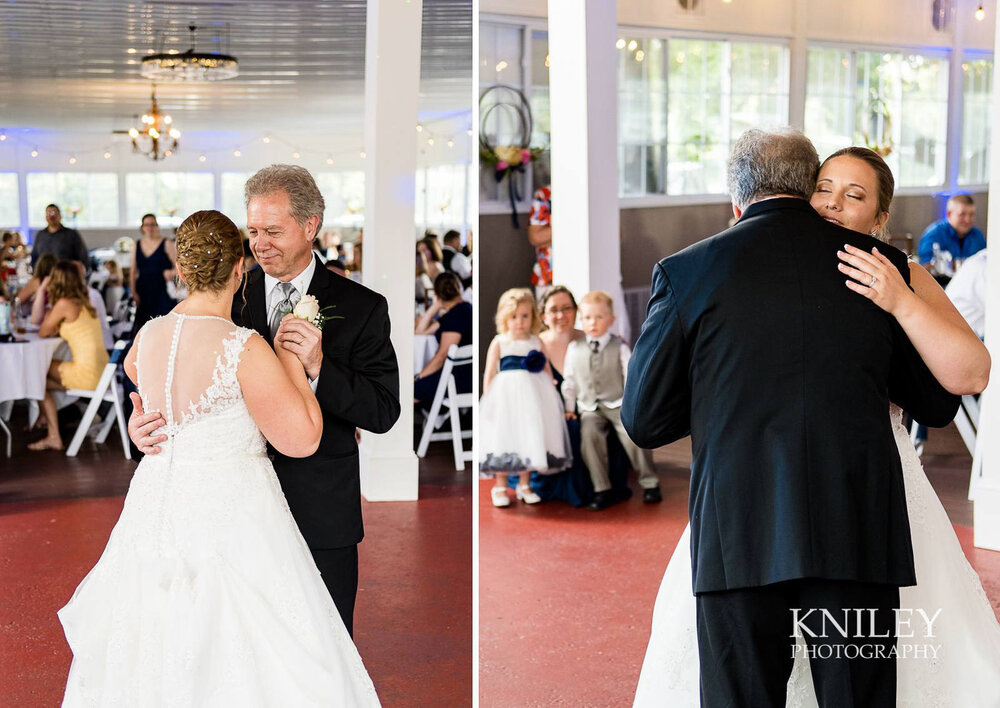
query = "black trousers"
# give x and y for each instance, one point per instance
(339, 568)
(746, 640)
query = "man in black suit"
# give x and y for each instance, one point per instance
(350, 363)
(782, 376)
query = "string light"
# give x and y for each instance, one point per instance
(430, 141)
(419, 127)
(363, 155)
(451, 143)
(632, 45)
(329, 160)
(640, 55)
(266, 139)
(3, 136)
(620, 44)
(201, 158)
(980, 12)
(34, 153)
(236, 153)
(107, 155)
(72, 160)
(295, 156)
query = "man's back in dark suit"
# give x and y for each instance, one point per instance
(783, 377)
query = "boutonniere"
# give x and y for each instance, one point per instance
(308, 309)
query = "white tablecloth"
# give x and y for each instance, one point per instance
(23, 366)
(424, 348)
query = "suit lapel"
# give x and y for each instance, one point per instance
(320, 285)
(257, 305)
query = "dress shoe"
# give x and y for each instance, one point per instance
(652, 495)
(499, 497)
(525, 494)
(601, 500)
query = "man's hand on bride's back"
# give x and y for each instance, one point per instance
(304, 340)
(142, 427)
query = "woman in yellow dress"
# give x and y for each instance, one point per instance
(73, 318)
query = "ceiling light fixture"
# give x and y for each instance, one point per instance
(980, 12)
(190, 65)
(157, 137)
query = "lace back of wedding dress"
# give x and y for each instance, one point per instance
(187, 368)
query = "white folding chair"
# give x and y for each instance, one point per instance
(6, 430)
(446, 396)
(108, 389)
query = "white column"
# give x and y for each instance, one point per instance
(389, 470)
(798, 51)
(586, 243)
(986, 507)
(953, 157)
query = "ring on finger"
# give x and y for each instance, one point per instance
(874, 280)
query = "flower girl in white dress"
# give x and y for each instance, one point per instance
(521, 423)
(960, 665)
(206, 594)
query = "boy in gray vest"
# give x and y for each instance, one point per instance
(595, 383)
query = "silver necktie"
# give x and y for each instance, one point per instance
(283, 306)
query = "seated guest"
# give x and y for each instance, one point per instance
(73, 318)
(114, 285)
(559, 310)
(595, 370)
(449, 319)
(101, 312)
(454, 260)
(430, 256)
(43, 267)
(967, 291)
(955, 234)
(424, 285)
(12, 248)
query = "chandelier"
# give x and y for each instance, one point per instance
(189, 66)
(157, 137)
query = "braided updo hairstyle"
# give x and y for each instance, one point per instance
(208, 248)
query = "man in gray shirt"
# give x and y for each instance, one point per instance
(65, 243)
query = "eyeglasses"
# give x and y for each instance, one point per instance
(560, 310)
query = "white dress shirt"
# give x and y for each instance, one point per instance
(460, 264)
(569, 386)
(967, 291)
(273, 297)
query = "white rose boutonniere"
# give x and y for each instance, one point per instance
(308, 309)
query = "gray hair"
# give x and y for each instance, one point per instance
(304, 197)
(765, 163)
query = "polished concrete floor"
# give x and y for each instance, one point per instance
(566, 595)
(413, 621)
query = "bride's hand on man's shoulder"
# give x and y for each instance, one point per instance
(876, 278)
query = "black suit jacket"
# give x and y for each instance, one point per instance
(358, 387)
(783, 378)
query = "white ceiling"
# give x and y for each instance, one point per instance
(65, 64)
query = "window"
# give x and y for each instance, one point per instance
(683, 101)
(233, 205)
(894, 102)
(85, 198)
(441, 198)
(344, 195)
(977, 80)
(172, 196)
(501, 54)
(10, 202)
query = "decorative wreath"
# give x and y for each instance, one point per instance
(870, 113)
(507, 159)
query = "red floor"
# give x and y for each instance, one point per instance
(413, 622)
(566, 595)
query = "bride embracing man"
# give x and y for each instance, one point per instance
(824, 569)
(231, 575)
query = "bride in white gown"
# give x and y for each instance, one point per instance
(206, 594)
(854, 190)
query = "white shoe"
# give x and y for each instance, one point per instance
(525, 494)
(499, 496)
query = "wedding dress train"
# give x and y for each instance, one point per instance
(206, 594)
(964, 672)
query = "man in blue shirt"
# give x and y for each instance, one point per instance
(955, 234)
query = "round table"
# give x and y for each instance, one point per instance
(25, 365)
(425, 346)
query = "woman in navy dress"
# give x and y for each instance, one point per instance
(449, 319)
(558, 309)
(153, 264)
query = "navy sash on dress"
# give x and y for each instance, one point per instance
(533, 361)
